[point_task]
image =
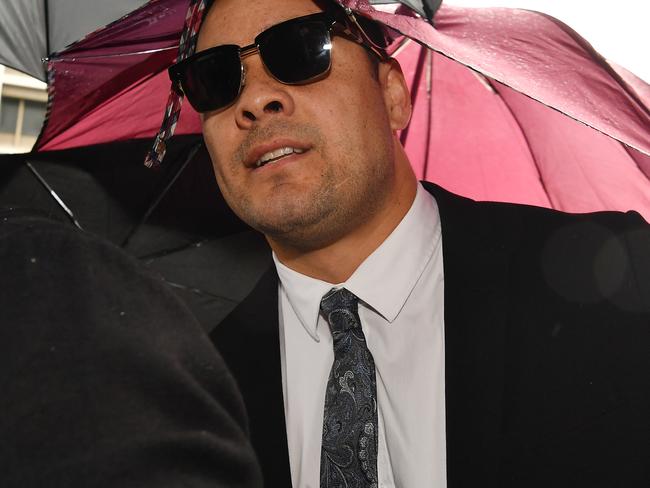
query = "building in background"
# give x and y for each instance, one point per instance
(22, 110)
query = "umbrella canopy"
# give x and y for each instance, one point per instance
(488, 120)
(114, 81)
(552, 160)
(33, 29)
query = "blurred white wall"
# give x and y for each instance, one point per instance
(22, 110)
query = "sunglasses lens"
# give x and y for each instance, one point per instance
(296, 52)
(212, 81)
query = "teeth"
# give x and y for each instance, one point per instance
(283, 151)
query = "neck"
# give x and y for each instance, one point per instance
(336, 261)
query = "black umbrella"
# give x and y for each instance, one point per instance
(174, 220)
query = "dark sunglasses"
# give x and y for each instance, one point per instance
(296, 51)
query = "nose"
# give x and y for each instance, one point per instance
(262, 96)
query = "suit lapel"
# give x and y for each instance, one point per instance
(476, 260)
(249, 341)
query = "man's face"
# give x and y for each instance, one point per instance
(341, 124)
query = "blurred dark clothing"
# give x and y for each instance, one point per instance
(107, 379)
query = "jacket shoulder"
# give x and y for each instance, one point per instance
(584, 256)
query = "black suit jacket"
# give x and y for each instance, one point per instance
(547, 336)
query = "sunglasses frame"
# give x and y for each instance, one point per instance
(346, 26)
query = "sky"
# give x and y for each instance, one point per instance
(619, 30)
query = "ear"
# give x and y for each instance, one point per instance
(396, 94)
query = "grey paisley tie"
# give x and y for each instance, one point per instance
(349, 450)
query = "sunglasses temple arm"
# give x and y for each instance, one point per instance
(359, 35)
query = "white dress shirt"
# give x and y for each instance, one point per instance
(400, 288)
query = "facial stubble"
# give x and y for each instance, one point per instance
(348, 191)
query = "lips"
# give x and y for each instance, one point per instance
(272, 156)
(270, 153)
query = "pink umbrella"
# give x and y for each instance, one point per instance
(528, 152)
(511, 106)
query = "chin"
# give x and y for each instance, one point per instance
(300, 229)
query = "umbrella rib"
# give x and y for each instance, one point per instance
(192, 152)
(46, 11)
(166, 252)
(115, 55)
(628, 149)
(53, 194)
(523, 134)
(417, 77)
(429, 80)
(197, 291)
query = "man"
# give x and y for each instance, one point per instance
(406, 336)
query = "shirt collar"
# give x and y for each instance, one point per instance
(385, 279)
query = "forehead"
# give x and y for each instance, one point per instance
(239, 21)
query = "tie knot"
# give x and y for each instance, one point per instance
(340, 309)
